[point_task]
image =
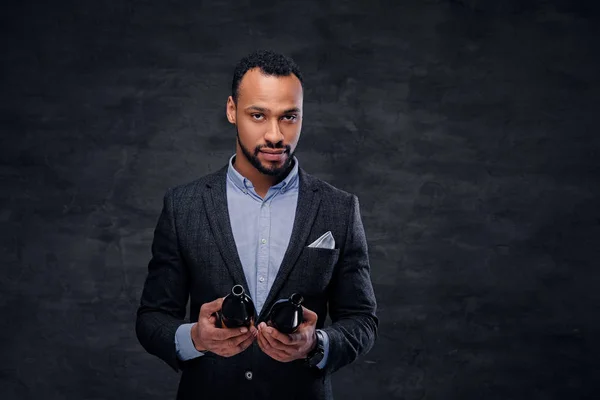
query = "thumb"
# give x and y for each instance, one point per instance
(208, 309)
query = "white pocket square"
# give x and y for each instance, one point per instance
(326, 241)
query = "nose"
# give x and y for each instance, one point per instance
(274, 134)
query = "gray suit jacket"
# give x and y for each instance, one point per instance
(194, 257)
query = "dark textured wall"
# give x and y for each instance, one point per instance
(468, 129)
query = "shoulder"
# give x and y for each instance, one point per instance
(329, 192)
(195, 188)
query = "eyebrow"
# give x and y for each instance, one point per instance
(263, 109)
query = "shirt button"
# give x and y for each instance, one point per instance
(264, 241)
(248, 375)
(261, 279)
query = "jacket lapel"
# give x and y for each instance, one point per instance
(215, 203)
(306, 210)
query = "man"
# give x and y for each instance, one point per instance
(264, 223)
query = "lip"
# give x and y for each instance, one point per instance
(272, 152)
(272, 156)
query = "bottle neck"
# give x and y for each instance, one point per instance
(296, 299)
(237, 291)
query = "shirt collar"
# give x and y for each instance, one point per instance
(290, 181)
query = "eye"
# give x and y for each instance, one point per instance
(291, 117)
(254, 115)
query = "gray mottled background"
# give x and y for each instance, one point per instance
(468, 129)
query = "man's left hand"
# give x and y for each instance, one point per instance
(289, 347)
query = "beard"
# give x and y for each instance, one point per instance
(271, 170)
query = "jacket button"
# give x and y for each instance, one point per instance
(248, 375)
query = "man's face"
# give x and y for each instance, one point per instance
(268, 119)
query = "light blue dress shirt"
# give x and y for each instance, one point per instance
(261, 244)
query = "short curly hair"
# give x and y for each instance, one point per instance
(270, 62)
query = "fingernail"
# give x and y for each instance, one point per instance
(244, 330)
(270, 330)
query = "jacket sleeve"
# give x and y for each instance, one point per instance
(352, 302)
(166, 291)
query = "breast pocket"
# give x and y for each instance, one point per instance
(317, 269)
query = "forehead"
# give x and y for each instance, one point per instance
(275, 92)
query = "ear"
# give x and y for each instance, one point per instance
(230, 110)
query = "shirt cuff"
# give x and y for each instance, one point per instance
(184, 345)
(323, 362)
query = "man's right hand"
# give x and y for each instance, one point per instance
(225, 342)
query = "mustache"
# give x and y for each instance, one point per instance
(286, 148)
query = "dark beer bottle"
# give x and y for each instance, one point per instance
(237, 309)
(286, 314)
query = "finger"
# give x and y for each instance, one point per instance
(309, 316)
(269, 350)
(220, 334)
(229, 333)
(246, 343)
(298, 337)
(278, 339)
(253, 330)
(208, 309)
(262, 342)
(275, 344)
(236, 341)
(283, 338)
(233, 346)
(276, 355)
